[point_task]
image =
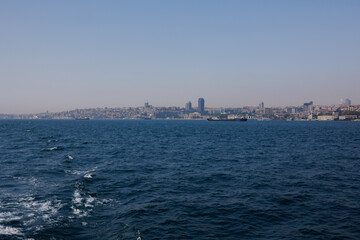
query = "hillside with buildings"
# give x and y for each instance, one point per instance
(345, 111)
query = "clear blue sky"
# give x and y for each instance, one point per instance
(61, 55)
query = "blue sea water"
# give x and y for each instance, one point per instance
(67, 179)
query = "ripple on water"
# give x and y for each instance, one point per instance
(179, 180)
(28, 215)
(53, 148)
(82, 204)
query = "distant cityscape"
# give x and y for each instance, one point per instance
(344, 111)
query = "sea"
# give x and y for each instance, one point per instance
(158, 179)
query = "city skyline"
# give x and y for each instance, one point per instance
(306, 112)
(63, 55)
(201, 106)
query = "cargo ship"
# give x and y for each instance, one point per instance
(82, 118)
(228, 119)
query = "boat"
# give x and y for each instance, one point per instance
(82, 118)
(228, 119)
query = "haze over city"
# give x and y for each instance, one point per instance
(61, 55)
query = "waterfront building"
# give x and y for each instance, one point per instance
(201, 105)
(348, 117)
(325, 118)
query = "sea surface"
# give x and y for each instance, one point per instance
(136, 179)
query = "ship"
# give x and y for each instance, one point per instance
(82, 118)
(228, 119)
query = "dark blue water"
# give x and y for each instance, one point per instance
(179, 180)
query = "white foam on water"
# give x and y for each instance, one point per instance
(9, 231)
(85, 173)
(90, 199)
(9, 216)
(39, 228)
(29, 222)
(75, 210)
(46, 206)
(88, 202)
(31, 180)
(38, 212)
(77, 197)
(70, 157)
(104, 201)
(26, 199)
(79, 212)
(34, 181)
(52, 148)
(83, 204)
(138, 238)
(75, 172)
(88, 175)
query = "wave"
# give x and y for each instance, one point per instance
(85, 173)
(82, 204)
(54, 148)
(28, 215)
(4, 230)
(88, 175)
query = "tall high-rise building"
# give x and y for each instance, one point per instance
(308, 107)
(347, 102)
(201, 105)
(188, 106)
(146, 105)
(261, 106)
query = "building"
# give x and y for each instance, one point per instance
(347, 117)
(347, 102)
(291, 110)
(146, 105)
(325, 118)
(268, 111)
(201, 105)
(308, 107)
(261, 106)
(188, 106)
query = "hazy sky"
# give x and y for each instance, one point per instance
(61, 55)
